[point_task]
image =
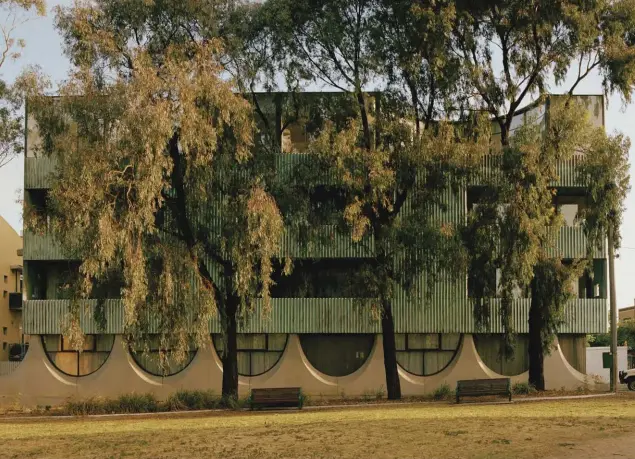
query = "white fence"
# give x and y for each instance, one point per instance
(7, 368)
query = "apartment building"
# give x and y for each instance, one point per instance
(314, 337)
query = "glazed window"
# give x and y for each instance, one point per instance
(257, 352)
(426, 354)
(488, 348)
(160, 360)
(73, 362)
(337, 355)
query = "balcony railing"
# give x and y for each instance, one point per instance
(572, 243)
(15, 301)
(42, 247)
(567, 171)
(37, 172)
(335, 315)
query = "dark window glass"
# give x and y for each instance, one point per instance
(257, 352)
(337, 355)
(488, 347)
(426, 354)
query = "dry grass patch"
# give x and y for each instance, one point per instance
(527, 430)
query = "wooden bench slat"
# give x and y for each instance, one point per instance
(478, 387)
(276, 396)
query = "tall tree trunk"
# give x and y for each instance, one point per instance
(230, 356)
(364, 115)
(536, 351)
(393, 386)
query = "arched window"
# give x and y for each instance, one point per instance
(337, 355)
(72, 362)
(426, 354)
(159, 360)
(488, 348)
(257, 352)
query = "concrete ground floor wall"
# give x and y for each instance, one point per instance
(36, 381)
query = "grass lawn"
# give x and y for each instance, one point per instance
(520, 430)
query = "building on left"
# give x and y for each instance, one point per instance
(13, 346)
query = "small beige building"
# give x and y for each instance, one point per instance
(11, 288)
(627, 313)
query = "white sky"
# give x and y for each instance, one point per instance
(44, 48)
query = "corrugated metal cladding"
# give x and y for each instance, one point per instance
(42, 247)
(572, 243)
(37, 171)
(567, 171)
(336, 315)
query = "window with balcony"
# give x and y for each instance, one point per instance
(495, 285)
(570, 206)
(37, 200)
(53, 280)
(304, 116)
(592, 284)
(322, 278)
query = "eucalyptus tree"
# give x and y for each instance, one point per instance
(159, 176)
(411, 44)
(371, 154)
(14, 14)
(509, 52)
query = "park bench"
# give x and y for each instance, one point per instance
(478, 387)
(276, 397)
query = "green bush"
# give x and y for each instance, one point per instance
(304, 399)
(523, 388)
(137, 403)
(127, 403)
(192, 400)
(84, 407)
(443, 392)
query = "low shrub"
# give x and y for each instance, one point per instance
(126, 403)
(92, 405)
(443, 392)
(523, 388)
(136, 403)
(304, 399)
(192, 400)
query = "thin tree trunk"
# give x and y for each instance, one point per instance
(230, 356)
(364, 116)
(393, 386)
(536, 351)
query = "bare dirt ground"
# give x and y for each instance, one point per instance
(584, 428)
(618, 448)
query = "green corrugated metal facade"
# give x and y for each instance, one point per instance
(334, 315)
(447, 310)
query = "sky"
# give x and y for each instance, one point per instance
(44, 48)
